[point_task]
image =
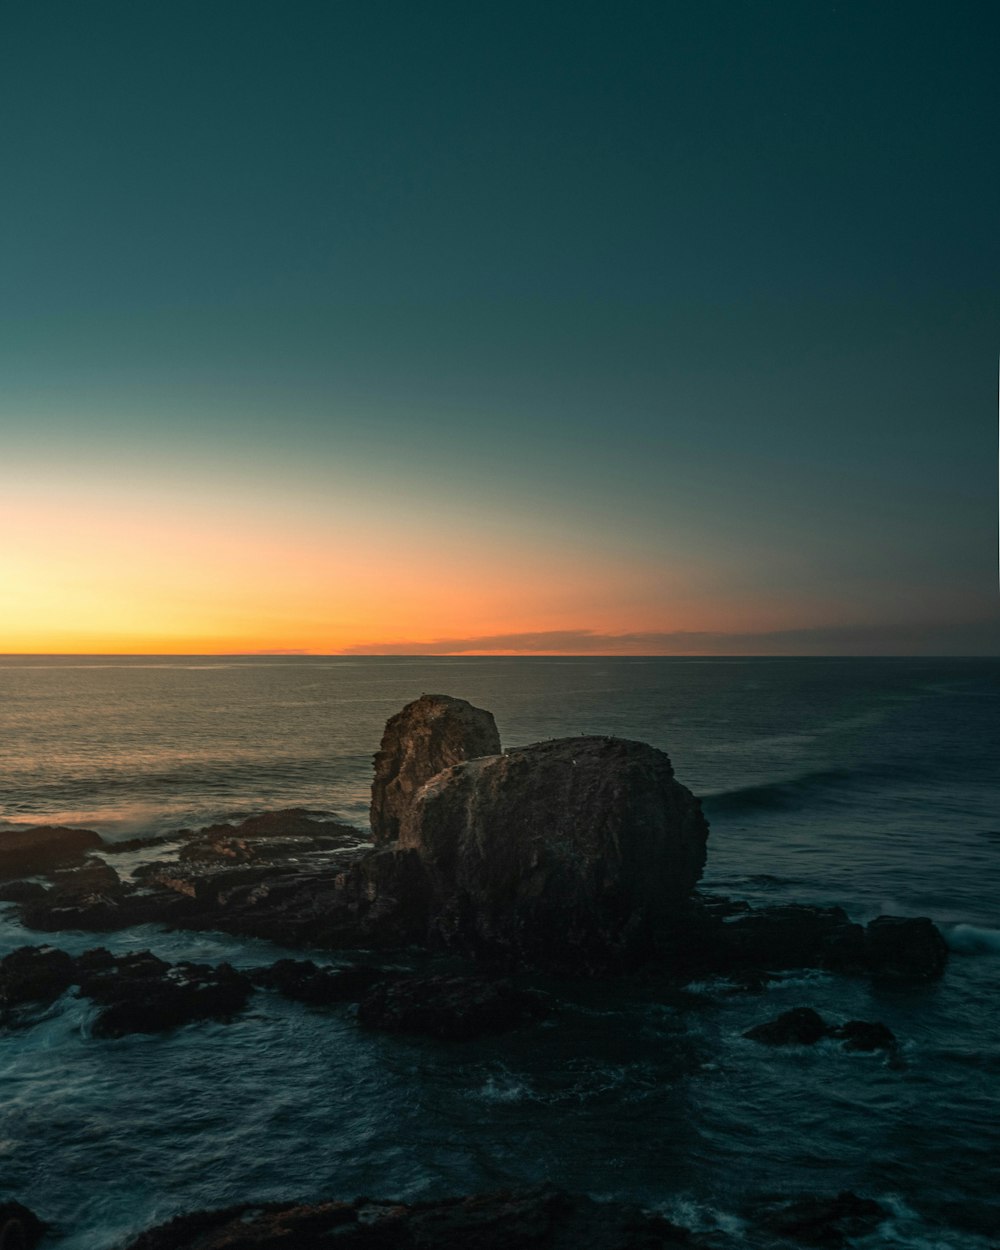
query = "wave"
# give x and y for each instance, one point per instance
(778, 795)
(968, 939)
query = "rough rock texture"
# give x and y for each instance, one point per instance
(20, 1229)
(540, 1218)
(454, 1008)
(40, 848)
(302, 981)
(289, 833)
(799, 1027)
(570, 852)
(428, 735)
(819, 1221)
(900, 948)
(804, 1027)
(139, 993)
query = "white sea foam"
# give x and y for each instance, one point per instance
(968, 939)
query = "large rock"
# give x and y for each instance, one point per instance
(572, 852)
(428, 735)
(41, 848)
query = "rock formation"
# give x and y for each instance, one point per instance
(428, 735)
(574, 851)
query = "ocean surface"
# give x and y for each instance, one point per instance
(873, 784)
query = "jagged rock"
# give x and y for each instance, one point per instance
(34, 974)
(790, 936)
(301, 980)
(139, 993)
(428, 735)
(804, 1027)
(568, 853)
(20, 1229)
(270, 837)
(828, 1222)
(540, 1218)
(455, 1008)
(799, 1027)
(865, 1035)
(899, 948)
(41, 848)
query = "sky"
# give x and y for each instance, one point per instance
(368, 326)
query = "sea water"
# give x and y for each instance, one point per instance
(873, 784)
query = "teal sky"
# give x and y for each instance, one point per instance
(708, 286)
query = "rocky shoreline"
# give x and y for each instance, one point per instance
(578, 856)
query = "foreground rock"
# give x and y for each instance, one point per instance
(572, 853)
(41, 848)
(730, 938)
(820, 1221)
(20, 1229)
(452, 1008)
(540, 1219)
(136, 993)
(430, 734)
(804, 1027)
(140, 993)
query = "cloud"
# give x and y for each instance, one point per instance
(964, 638)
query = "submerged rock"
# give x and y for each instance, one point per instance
(456, 1008)
(804, 1027)
(34, 974)
(540, 1218)
(900, 948)
(799, 1027)
(820, 1221)
(427, 736)
(41, 848)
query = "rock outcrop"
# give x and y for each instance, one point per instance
(428, 735)
(40, 848)
(570, 852)
(540, 1218)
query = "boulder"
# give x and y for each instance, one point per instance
(41, 848)
(20, 1229)
(569, 853)
(538, 1218)
(453, 1008)
(428, 735)
(822, 1221)
(139, 993)
(34, 974)
(799, 1027)
(865, 1035)
(302, 981)
(900, 948)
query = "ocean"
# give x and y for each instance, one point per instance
(869, 783)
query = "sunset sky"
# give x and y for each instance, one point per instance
(380, 326)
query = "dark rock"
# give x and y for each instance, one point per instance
(20, 1229)
(40, 848)
(816, 1221)
(139, 993)
(799, 1027)
(791, 936)
(455, 1008)
(899, 948)
(540, 1218)
(34, 974)
(301, 980)
(21, 891)
(865, 1035)
(430, 734)
(271, 837)
(570, 853)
